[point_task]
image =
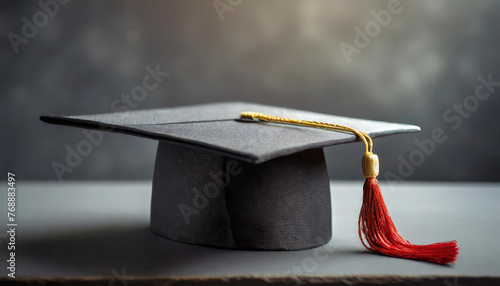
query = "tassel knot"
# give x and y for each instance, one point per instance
(374, 222)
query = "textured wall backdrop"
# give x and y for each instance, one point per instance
(431, 63)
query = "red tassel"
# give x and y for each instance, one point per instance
(381, 234)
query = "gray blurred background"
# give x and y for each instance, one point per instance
(287, 53)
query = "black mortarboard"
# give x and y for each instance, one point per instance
(228, 180)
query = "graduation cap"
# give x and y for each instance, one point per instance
(249, 176)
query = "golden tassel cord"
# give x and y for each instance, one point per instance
(375, 224)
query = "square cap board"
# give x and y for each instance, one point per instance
(228, 182)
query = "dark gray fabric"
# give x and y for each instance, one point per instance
(180, 176)
(215, 127)
(282, 204)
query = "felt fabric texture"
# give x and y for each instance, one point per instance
(179, 208)
(203, 198)
(216, 127)
(278, 200)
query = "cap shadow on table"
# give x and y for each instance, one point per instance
(98, 251)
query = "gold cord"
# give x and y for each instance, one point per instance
(263, 117)
(369, 163)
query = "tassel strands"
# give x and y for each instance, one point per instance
(376, 225)
(376, 229)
